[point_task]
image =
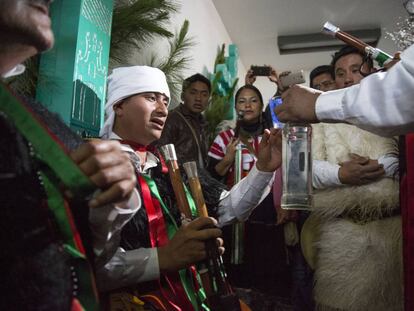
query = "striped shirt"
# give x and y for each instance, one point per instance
(219, 147)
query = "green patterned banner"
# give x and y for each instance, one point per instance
(73, 74)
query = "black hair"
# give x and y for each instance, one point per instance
(196, 78)
(321, 70)
(346, 50)
(249, 87)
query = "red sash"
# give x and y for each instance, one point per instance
(170, 285)
(407, 213)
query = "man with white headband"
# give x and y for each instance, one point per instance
(137, 105)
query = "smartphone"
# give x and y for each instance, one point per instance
(292, 78)
(261, 70)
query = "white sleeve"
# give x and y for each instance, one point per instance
(239, 202)
(391, 165)
(106, 223)
(140, 265)
(382, 103)
(127, 268)
(325, 174)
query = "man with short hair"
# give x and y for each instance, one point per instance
(322, 78)
(44, 233)
(381, 104)
(357, 193)
(186, 127)
(350, 66)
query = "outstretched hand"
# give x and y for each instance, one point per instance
(231, 150)
(273, 77)
(188, 245)
(298, 105)
(250, 78)
(109, 168)
(269, 157)
(280, 87)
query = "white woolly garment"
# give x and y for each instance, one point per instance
(358, 265)
(127, 81)
(334, 143)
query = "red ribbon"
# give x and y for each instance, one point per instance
(407, 213)
(158, 231)
(176, 296)
(139, 147)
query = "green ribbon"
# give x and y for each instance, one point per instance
(198, 299)
(46, 146)
(62, 169)
(86, 292)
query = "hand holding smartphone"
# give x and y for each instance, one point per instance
(264, 71)
(292, 78)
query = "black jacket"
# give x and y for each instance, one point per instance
(176, 131)
(35, 270)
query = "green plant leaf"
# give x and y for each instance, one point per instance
(136, 23)
(177, 60)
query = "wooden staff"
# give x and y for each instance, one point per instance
(191, 170)
(195, 186)
(376, 54)
(220, 295)
(170, 157)
(218, 302)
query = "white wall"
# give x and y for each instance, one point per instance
(208, 32)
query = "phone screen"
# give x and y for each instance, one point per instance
(261, 70)
(276, 101)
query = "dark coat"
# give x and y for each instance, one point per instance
(35, 269)
(176, 131)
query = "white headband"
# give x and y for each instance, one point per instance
(127, 81)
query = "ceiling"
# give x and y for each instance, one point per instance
(255, 24)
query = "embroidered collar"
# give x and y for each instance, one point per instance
(152, 159)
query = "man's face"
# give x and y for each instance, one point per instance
(347, 70)
(196, 96)
(324, 82)
(141, 117)
(26, 22)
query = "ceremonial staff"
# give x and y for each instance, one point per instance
(170, 157)
(220, 296)
(376, 54)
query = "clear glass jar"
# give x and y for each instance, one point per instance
(297, 166)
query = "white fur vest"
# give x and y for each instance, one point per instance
(334, 143)
(359, 264)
